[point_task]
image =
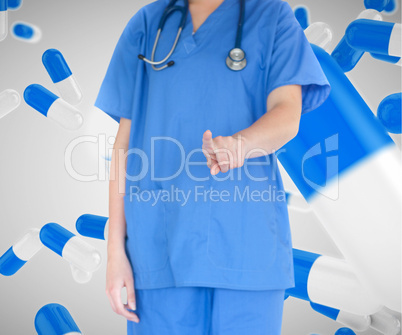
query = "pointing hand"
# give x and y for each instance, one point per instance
(223, 152)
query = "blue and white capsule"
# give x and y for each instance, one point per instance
(347, 167)
(26, 32)
(9, 101)
(94, 226)
(356, 322)
(55, 319)
(14, 4)
(330, 282)
(378, 37)
(346, 56)
(3, 20)
(302, 15)
(20, 253)
(53, 107)
(83, 257)
(389, 113)
(61, 75)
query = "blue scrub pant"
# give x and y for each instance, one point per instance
(207, 311)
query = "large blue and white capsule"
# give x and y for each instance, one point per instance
(55, 319)
(330, 282)
(348, 168)
(53, 107)
(61, 75)
(356, 322)
(377, 37)
(346, 56)
(14, 4)
(83, 258)
(390, 114)
(93, 226)
(9, 101)
(26, 32)
(3, 20)
(20, 253)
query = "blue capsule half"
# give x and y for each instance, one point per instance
(56, 65)
(10, 263)
(92, 226)
(346, 56)
(345, 331)
(386, 58)
(39, 98)
(302, 15)
(26, 32)
(55, 237)
(369, 35)
(55, 319)
(3, 5)
(23, 31)
(329, 312)
(14, 4)
(378, 5)
(389, 113)
(391, 6)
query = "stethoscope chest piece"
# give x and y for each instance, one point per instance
(236, 60)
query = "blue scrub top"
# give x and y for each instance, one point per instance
(184, 226)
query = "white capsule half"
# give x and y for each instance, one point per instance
(3, 20)
(66, 115)
(81, 254)
(26, 247)
(9, 101)
(332, 282)
(356, 322)
(386, 323)
(320, 34)
(366, 225)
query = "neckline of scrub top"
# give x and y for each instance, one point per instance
(191, 40)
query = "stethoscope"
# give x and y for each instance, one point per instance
(236, 59)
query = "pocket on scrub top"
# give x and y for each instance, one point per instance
(146, 242)
(242, 235)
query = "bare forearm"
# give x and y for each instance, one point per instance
(271, 131)
(117, 222)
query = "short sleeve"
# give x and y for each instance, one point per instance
(117, 90)
(293, 62)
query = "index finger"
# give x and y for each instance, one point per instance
(207, 141)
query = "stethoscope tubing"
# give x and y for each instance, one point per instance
(171, 8)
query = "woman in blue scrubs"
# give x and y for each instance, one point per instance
(199, 230)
